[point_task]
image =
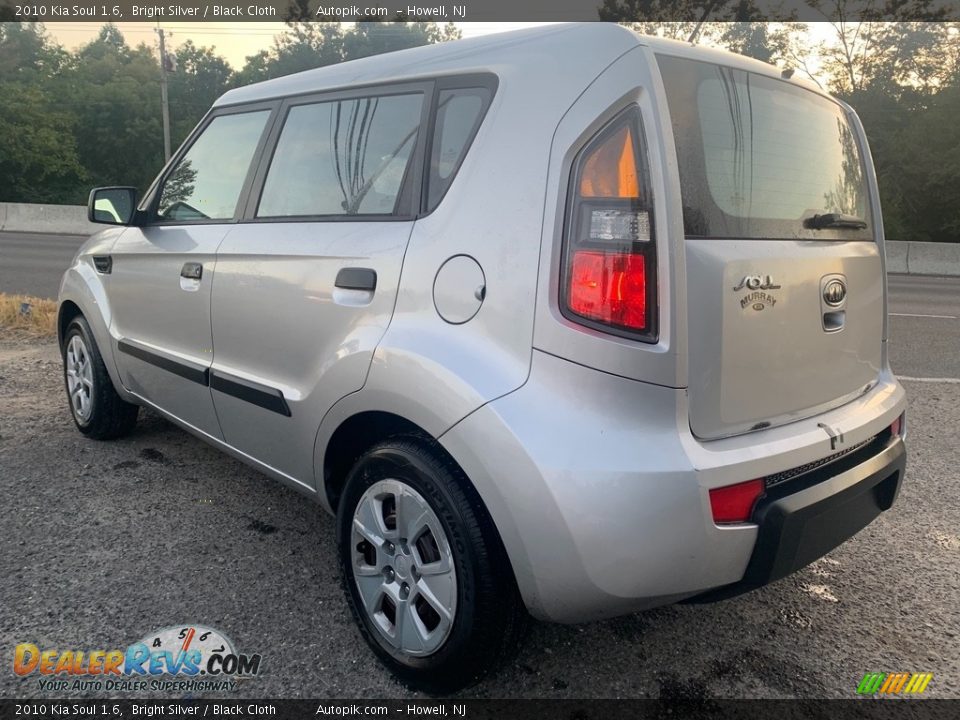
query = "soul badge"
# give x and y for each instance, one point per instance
(757, 298)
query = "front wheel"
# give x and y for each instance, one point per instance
(96, 408)
(425, 574)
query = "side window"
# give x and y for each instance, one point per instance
(342, 157)
(206, 183)
(459, 113)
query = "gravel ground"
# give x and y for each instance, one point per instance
(105, 542)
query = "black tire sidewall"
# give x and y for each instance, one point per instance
(395, 461)
(79, 326)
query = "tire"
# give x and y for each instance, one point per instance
(96, 408)
(470, 619)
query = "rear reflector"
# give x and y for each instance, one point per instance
(609, 287)
(734, 503)
(896, 426)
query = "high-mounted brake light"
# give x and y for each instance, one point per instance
(734, 503)
(609, 254)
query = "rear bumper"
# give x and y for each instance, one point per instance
(601, 493)
(808, 518)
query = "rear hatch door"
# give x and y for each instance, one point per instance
(785, 280)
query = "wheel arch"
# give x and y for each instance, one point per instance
(354, 436)
(362, 430)
(67, 311)
(82, 293)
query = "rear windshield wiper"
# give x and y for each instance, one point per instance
(835, 220)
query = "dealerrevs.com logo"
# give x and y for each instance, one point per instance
(186, 658)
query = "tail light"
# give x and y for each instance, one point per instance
(609, 253)
(734, 503)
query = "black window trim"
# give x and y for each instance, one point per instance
(413, 192)
(412, 178)
(149, 205)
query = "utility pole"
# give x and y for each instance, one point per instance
(163, 95)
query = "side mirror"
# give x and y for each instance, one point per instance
(112, 205)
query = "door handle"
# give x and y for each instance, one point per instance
(352, 278)
(192, 271)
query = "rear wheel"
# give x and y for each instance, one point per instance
(97, 409)
(424, 570)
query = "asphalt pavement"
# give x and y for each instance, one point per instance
(32, 263)
(924, 330)
(103, 543)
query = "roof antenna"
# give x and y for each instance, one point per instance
(787, 73)
(706, 12)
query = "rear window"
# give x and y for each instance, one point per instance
(760, 157)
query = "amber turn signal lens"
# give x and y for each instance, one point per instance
(611, 169)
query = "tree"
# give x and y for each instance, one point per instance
(373, 38)
(26, 53)
(873, 41)
(309, 45)
(114, 92)
(201, 77)
(38, 154)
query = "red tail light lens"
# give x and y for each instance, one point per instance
(610, 288)
(609, 249)
(734, 503)
(896, 426)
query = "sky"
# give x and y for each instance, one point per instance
(233, 40)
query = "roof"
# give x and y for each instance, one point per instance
(530, 51)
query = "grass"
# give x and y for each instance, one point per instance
(37, 316)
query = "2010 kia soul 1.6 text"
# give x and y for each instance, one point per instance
(567, 321)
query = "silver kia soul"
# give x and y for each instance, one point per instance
(566, 321)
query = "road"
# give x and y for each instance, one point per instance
(924, 326)
(32, 263)
(106, 542)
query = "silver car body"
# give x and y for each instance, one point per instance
(594, 454)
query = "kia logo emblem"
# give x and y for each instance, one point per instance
(834, 292)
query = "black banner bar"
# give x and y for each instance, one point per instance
(473, 10)
(455, 709)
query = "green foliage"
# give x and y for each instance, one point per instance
(202, 76)
(113, 92)
(93, 117)
(309, 45)
(38, 155)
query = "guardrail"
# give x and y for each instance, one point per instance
(914, 258)
(54, 219)
(923, 258)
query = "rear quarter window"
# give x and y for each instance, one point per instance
(459, 114)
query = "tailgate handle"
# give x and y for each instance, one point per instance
(353, 278)
(833, 321)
